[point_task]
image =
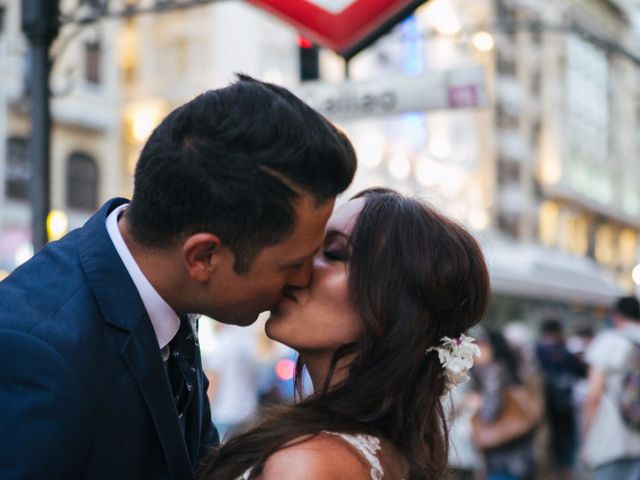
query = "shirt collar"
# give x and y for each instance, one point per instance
(163, 318)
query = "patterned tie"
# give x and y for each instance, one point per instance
(181, 367)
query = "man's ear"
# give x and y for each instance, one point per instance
(201, 253)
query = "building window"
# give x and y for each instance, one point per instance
(628, 248)
(97, 5)
(506, 118)
(509, 225)
(18, 170)
(128, 50)
(548, 223)
(591, 160)
(176, 60)
(509, 172)
(505, 65)
(605, 245)
(82, 182)
(505, 11)
(93, 55)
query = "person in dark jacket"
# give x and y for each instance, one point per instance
(560, 370)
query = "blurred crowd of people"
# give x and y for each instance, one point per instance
(543, 406)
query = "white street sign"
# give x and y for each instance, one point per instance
(433, 90)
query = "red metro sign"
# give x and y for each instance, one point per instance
(346, 26)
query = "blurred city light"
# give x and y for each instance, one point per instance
(370, 147)
(413, 63)
(483, 41)
(578, 235)
(443, 17)
(399, 166)
(425, 172)
(440, 147)
(605, 250)
(285, 368)
(57, 225)
(549, 214)
(635, 274)
(23, 253)
(143, 124)
(452, 181)
(413, 130)
(479, 219)
(551, 171)
(142, 117)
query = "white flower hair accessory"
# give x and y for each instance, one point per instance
(456, 357)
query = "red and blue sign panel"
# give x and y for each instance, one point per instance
(345, 26)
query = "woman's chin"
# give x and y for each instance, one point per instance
(271, 327)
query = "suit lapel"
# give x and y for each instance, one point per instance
(121, 307)
(151, 378)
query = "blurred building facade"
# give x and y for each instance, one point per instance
(546, 174)
(85, 140)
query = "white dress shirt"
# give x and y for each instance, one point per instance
(164, 319)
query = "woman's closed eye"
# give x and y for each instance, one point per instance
(336, 255)
(337, 247)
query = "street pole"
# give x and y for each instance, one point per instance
(40, 24)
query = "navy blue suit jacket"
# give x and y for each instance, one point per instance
(83, 388)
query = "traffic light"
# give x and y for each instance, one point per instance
(309, 54)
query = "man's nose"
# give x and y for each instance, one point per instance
(302, 275)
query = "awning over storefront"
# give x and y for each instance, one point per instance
(534, 271)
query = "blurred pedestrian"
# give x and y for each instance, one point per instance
(100, 374)
(577, 344)
(611, 447)
(521, 338)
(463, 456)
(560, 370)
(496, 379)
(232, 369)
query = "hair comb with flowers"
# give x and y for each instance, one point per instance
(456, 357)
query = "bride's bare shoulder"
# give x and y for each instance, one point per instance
(321, 457)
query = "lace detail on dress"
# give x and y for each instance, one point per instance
(368, 446)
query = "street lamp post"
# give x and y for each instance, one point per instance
(40, 24)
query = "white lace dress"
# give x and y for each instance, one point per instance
(367, 445)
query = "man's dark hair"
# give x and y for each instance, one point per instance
(232, 161)
(629, 307)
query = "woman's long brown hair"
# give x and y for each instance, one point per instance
(415, 276)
